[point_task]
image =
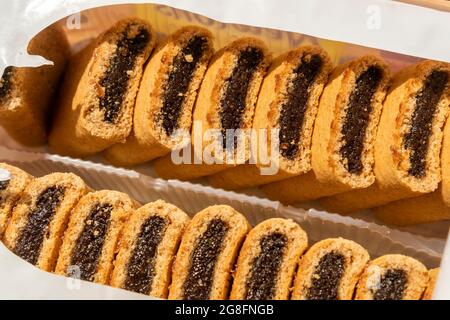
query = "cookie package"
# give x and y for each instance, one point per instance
(153, 152)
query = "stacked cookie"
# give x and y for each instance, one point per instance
(59, 224)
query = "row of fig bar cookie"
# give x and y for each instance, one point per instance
(410, 151)
(374, 141)
(127, 94)
(60, 225)
(95, 106)
(352, 137)
(182, 83)
(366, 150)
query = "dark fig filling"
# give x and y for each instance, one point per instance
(392, 285)
(418, 138)
(180, 77)
(293, 111)
(117, 75)
(357, 118)
(203, 261)
(89, 245)
(327, 277)
(265, 267)
(29, 242)
(233, 102)
(141, 267)
(5, 82)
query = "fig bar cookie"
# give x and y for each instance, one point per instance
(26, 94)
(330, 270)
(393, 277)
(434, 206)
(433, 275)
(226, 101)
(166, 97)
(12, 184)
(287, 102)
(342, 156)
(147, 248)
(96, 103)
(268, 261)
(40, 217)
(409, 139)
(207, 254)
(91, 239)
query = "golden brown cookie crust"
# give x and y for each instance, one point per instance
(359, 199)
(166, 169)
(411, 211)
(298, 189)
